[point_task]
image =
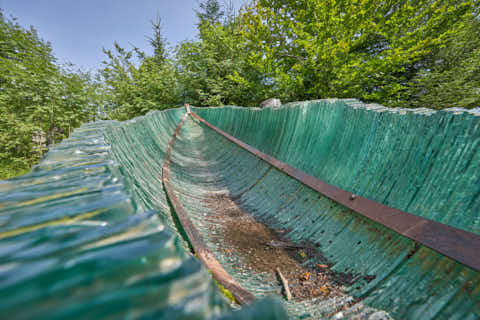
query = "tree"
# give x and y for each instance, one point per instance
(132, 88)
(451, 78)
(158, 42)
(215, 70)
(210, 11)
(38, 98)
(368, 49)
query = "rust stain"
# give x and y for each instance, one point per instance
(457, 244)
(241, 295)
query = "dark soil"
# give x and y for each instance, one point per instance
(263, 250)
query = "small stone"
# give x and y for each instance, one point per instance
(271, 103)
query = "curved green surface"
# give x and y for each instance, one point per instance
(80, 238)
(423, 162)
(89, 233)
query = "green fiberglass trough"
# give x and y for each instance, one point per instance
(81, 238)
(96, 230)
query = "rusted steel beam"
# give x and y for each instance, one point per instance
(460, 245)
(241, 295)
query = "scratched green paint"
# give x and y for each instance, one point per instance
(89, 232)
(420, 161)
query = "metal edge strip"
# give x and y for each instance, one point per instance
(241, 295)
(457, 244)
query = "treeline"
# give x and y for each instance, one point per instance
(406, 53)
(398, 53)
(40, 102)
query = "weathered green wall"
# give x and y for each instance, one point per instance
(89, 232)
(422, 162)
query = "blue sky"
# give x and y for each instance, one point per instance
(78, 29)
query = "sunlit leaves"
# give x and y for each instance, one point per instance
(37, 97)
(365, 49)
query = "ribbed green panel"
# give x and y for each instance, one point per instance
(205, 165)
(139, 146)
(89, 232)
(427, 165)
(79, 238)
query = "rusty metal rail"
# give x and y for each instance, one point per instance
(460, 245)
(241, 295)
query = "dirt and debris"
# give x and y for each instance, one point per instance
(263, 249)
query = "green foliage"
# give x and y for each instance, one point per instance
(452, 77)
(135, 83)
(37, 97)
(408, 53)
(132, 90)
(215, 70)
(8, 171)
(402, 54)
(368, 49)
(210, 11)
(158, 42)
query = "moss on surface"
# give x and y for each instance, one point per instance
(225, 291)
(8, 171)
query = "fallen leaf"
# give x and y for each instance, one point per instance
(305, 276)
(325, 290)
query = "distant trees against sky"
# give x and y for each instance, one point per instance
(40, 102)
(397, 53)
